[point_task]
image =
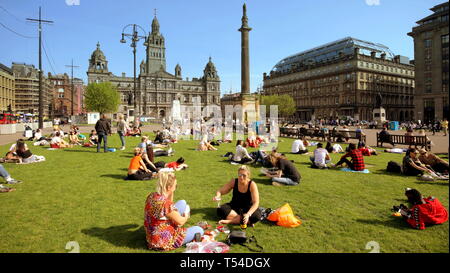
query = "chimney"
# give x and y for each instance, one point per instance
(383, 56)
(356, 50)
(397, 59)
(372, 54)
(123, 74)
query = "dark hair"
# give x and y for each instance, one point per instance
(57, 134)
(412, 150)
(352, 146)
(328, 145)
(180, 160)
(414, 196)
(361, 144)
(320, 145)
(20, 146)
(239, 142)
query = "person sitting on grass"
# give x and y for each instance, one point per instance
(412, 165)
(25, 155)
(136, 132)
(73, 138)
(245, 200)
(241, 156)
(433, 161)
(298, 147)
(253, 140)
(158, 151)
(287, 173)
(334, 149)
(57, 142)
(366, 150)
(321, 157)
(357, 159)
(164, 220)
(204, 144)
(93, 139)
(177, 165)
(424, 211)
(137, 169)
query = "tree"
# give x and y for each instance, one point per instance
(102, 97)
(286, 104)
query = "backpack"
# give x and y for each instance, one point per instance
(393, 167)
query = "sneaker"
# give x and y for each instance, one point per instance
(277, 184)
(170, 151)
(123, 148)
(13, 181)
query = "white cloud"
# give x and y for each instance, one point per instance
(373, 2)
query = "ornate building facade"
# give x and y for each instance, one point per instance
(431, 47)
(156, 88)
(27, 90)
(342, 79)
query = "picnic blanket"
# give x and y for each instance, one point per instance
(350, 170)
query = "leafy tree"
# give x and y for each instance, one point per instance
(286, 104)
(102, 97)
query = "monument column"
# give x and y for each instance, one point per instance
(245, 56)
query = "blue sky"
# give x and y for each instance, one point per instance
(197, 29)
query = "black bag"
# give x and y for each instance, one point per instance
(394, 167)
(239, 237)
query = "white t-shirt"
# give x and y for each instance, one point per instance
(241, 152)
(337, 148)
(320, 156)
(56, 140)
(297, 146)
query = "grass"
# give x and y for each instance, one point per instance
(79, 195)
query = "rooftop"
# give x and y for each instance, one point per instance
(333, 50)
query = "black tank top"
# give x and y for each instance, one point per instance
(241, 200)
(24, 154)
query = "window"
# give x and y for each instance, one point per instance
(427, 43)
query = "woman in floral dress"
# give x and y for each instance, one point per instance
(164, 220)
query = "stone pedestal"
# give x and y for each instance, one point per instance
(379, 115)
(250, 108)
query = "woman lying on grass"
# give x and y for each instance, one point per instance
(245, 200)
(25, 155)
(164, 220)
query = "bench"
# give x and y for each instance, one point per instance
(421, 141)
(289, 132)
(332, 135)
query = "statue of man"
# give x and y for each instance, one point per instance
(379, 100)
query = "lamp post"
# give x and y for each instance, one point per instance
(134, 37)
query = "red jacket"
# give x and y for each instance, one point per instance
(430, 213)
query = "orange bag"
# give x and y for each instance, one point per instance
(285, 217)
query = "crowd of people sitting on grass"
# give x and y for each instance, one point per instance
(164, 218)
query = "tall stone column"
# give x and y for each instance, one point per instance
(245, 56)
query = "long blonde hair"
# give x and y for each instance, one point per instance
(166, 180)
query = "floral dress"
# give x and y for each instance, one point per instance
(161, 232)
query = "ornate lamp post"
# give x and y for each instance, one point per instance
(134, 37)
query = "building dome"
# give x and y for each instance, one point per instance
(210, 70)
(98, 54)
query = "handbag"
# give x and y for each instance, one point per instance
(240, 237)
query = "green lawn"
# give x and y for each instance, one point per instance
(79, 195)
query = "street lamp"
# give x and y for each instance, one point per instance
(134, 37)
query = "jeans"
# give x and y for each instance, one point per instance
(3, 172)
(105, 142)
(190, 232)
(284, 180)
(122, 139)
(258, 156)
